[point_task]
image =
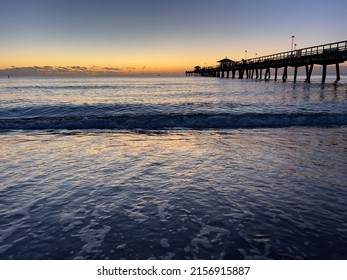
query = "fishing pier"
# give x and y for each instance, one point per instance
(254, 68)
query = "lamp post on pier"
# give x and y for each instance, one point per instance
(292, 42)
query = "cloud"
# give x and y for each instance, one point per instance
(79, 68)
(20, 71)
(111, 68)
(62, 69)
(59, 71)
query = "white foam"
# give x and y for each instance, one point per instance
(4, 248)
(201, 241)
(187, 249)
(121, 247)
(136, 216)
(163, 215)
(164, 243)
(207, 229)
(93, 237)
(169, 256)
(69, 221)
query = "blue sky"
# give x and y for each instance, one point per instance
(161, 35)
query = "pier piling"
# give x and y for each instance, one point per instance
(285, 74)
(295, 73)
(337, 72)
(324, 73)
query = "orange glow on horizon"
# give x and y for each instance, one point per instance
(89, 61)
(144, 63)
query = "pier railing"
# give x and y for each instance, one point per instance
(299, 53)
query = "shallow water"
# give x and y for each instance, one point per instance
(212, 192)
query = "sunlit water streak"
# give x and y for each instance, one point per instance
(228, 169)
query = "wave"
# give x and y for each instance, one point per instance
(66, 87)
(175, 121)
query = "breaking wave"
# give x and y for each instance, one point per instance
(162, 121)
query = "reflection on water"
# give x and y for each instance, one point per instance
(262, 193)
(172, 168)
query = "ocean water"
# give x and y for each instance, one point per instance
(172, 168)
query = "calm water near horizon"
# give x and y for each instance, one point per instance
(172, 168)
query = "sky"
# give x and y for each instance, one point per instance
(157, 36)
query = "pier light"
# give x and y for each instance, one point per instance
(245, 54)
(292, 41)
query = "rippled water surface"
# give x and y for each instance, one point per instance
(227, 170)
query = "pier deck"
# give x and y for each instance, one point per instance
(328, 54)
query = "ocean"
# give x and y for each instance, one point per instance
(172, 168)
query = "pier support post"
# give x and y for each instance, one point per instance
(241, 74)
(285, 74)
(261, 74)
(324, 73)
(276, 69)
(308, 73)
(233, 73)
(295, 73)
(337, 72)
(267, 74)
(222, 74)
(228, 74)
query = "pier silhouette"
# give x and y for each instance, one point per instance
(324, 55)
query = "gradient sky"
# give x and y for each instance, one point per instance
(157, 36)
